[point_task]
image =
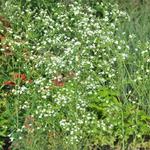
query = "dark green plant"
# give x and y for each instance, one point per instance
(3, 121)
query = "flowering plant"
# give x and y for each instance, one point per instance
(85, 87)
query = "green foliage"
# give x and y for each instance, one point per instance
(3, 120)
(127, 122)
(74, 75)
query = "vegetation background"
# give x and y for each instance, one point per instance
(121, 105)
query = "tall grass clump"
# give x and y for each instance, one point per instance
(74, 75)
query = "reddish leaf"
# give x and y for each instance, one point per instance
(9, 83)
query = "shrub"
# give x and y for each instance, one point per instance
(75, 77)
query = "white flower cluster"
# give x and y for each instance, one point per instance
(71, 53)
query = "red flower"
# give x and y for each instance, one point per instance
(10, 83)
(20, 76)
(58, 83)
